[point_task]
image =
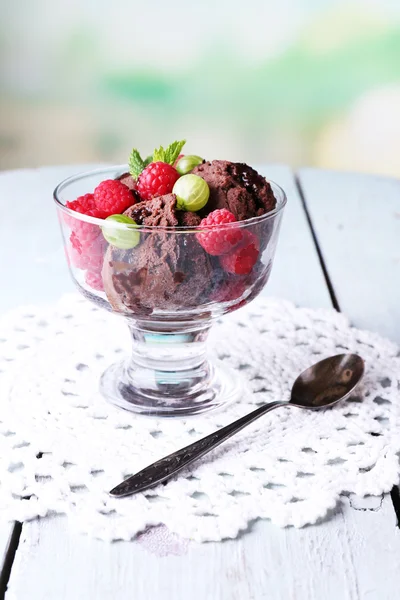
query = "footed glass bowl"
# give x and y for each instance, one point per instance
(169, 290)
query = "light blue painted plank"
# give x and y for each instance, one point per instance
(296, 274)
(33, 266)
(353, 556)
(357, 222)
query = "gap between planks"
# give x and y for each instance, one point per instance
(328, 281)
(9, 556)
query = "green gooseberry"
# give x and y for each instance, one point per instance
(187, 163)
(192, 193)
(124, 238)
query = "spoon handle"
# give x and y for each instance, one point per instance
(173, 463)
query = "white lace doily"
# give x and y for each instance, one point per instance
(62, 447)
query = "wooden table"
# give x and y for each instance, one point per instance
(339, 247)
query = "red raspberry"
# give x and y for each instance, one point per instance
(219, 240)
(157, 179)
(86, 206)
(229, 290)
(83, 204)
(83, 235)
(243, 258)
(95, 280)
(87, 244)
(87, 253)
(74, 252)
(113, 197)
(85, 232)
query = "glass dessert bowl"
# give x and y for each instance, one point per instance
(170, 282)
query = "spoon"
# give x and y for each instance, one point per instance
(324, 384)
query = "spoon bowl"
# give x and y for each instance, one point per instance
(327, 382)
(323, 385)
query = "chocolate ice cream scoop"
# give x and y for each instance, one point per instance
(162, 211)
(128, 180)
(237, 187)
(158, 212)
(166, 271)
(188, 219)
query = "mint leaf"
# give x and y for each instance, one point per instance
(159, 154)
(148, 160)
(169, 154)
(172, 151)
(136, 164)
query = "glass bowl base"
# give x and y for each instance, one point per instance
(170, 394)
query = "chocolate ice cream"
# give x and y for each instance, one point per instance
(162, 212)
(127, 179)
(164, 272)
(158, 212)
(237, 187)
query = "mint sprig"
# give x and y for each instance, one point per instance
(136, 163)
(170, 153)
(159, 154)
(167, 155)
(173, 151)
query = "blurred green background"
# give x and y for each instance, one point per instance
(305, 82)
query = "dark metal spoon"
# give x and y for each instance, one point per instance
(322, 385)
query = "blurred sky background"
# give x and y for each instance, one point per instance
(304, 82)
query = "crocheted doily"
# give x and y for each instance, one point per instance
(62, 447)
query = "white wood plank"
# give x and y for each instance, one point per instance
(375, 549)
(353, 556)
(296, 274)
(37, 273)
(357, 222)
